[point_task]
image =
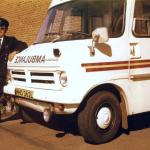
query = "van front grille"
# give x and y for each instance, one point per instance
(45, 78)
(33, 78)
(18, 76)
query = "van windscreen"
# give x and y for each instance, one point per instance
(77, 19)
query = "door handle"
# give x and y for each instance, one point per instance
(133, 43)
(135, 50)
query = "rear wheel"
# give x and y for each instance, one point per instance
(100, 120)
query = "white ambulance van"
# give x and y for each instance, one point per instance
(92, 58)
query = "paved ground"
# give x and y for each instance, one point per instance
(63, 135)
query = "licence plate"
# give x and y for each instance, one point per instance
(24, 93)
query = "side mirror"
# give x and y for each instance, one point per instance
(100, 35)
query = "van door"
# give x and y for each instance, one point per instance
(140, 56)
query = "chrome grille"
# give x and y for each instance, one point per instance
(46, 78)
(33, 78)
(18, 76)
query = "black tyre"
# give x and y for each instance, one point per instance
(29, 115)
(25, 114)
(100, 119)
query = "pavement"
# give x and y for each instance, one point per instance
(62, 134)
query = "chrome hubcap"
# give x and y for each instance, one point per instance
(104, 117)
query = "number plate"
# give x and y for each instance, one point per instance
(24, 93)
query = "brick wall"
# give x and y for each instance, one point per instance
(25, 17)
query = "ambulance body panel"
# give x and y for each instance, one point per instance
(89, 58)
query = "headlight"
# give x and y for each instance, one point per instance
(63, 79)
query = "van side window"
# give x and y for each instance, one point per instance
(111, 14)
(141, 22)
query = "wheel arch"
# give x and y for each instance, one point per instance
(117, 91)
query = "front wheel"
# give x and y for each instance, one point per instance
(100, 120)
(25, 114)
(29, 115)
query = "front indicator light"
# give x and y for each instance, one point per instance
(63, 79)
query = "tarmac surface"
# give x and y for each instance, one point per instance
(63, 134)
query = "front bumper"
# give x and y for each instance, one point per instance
(59, 101)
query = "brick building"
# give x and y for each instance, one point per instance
(25, 17)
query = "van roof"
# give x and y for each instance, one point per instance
(57, 2)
